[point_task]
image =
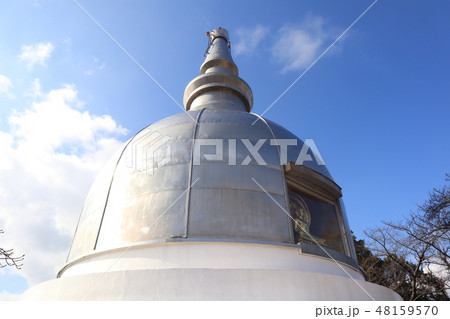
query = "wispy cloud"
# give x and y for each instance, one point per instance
(5, 86)
(298, 46)
(248, 39)
(35, 89)
(50, 155)
(37, 53)
(96, 67)
(36, 3)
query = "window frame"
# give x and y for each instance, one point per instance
(308, 182)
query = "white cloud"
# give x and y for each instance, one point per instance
(96, 66)
(37, 53)
(297, 47)
(6, 296)
(50, 156)
(5, 86)
(35, 90)
(249, 39)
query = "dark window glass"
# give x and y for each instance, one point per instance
(315, 222)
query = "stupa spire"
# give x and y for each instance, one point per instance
(218, 53)
(218, 85)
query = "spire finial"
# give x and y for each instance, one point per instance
(218, 53)
(218, 85)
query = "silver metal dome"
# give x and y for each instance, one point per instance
(171, 183)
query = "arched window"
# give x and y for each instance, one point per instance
(318, 223)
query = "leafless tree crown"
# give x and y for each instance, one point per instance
(7, 258)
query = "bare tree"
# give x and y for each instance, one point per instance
(419, 246)
(404, 262)
(431, 224)
(7, 258)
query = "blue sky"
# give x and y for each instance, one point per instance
(377, 105)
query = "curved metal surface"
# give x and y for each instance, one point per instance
(147, 203)
(91, 215)
(239, 190)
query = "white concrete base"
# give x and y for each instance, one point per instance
(211, 255)
(207, 271)
(208, 284)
